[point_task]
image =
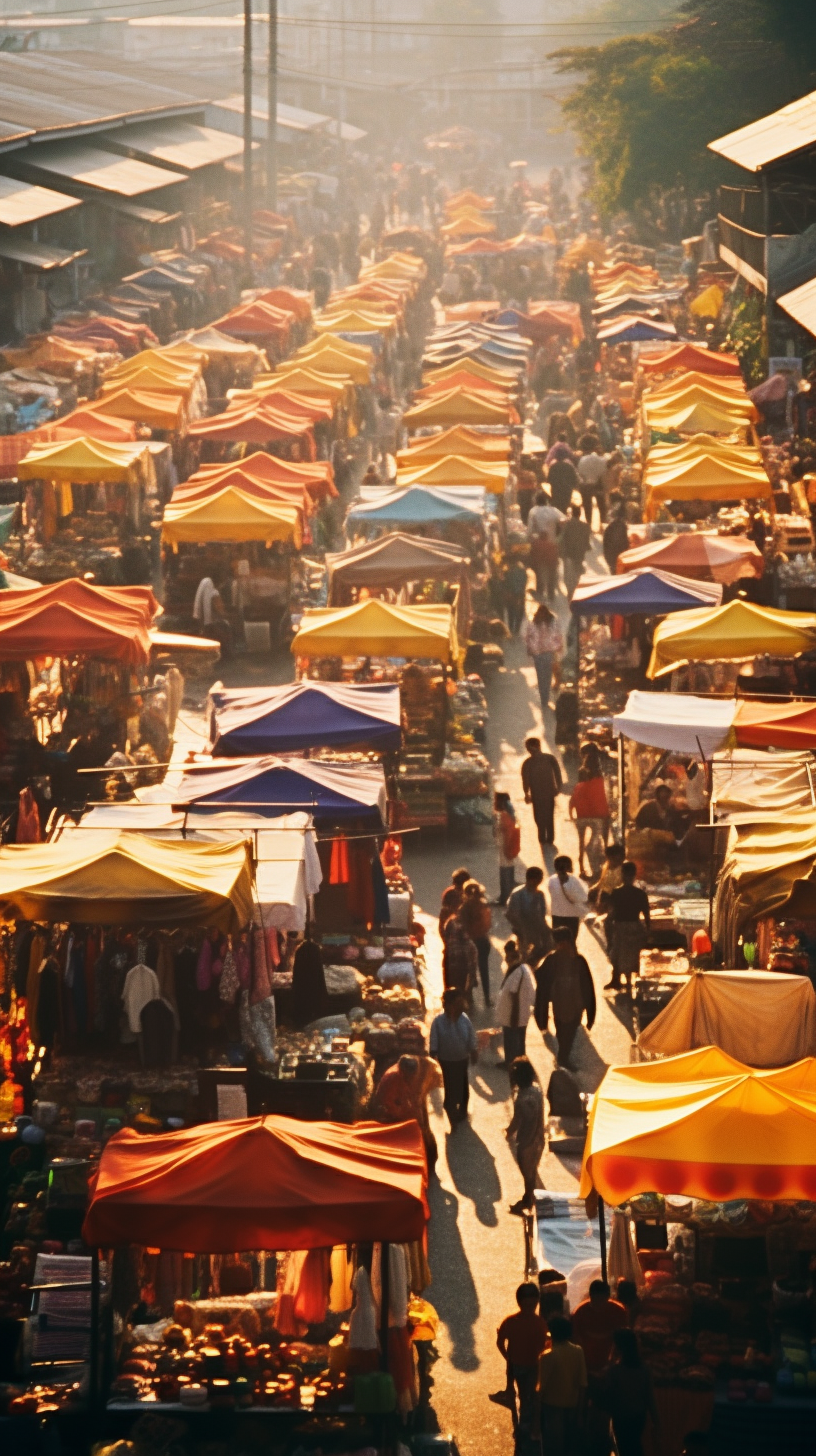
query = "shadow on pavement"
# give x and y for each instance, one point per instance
(455, 1298)
(472, 1168)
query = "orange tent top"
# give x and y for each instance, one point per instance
(700, 555)
(462, 379)
(260, 1183)
(775, 725)
(288, 494)
(290, 300)
(90, 422)
(256, 426)
(72, 617)
(317, 477)
(285, 401)
(689, 356)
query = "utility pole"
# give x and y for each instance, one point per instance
(248, 137)
(272, 109)
(342, 118)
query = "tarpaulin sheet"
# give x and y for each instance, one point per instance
(744, 780)
(260, 1183)
(704, 1125)
(303, 715)
(763, 1018)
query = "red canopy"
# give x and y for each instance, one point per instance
(689, 356)
(775, 725)
(317, 476)
(260, 1183)
(73, 617)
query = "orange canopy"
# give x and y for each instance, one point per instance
(91, 422)
(701, 555)
(260, 1183)
(290, 300)
(73, 617)
(284, 401)
(775, 725)
(690, 356)
(287, 493)
(705, 1126)
(463, 379)
(257, 426)
(317, 477)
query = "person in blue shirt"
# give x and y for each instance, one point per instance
(453, 1044)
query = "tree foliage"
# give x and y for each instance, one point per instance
(646, 106)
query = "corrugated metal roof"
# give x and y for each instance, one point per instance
(20, 202)
(42, 256)
(800, 303)
(181, 143)
(91, 167)
(290, 118)
(772, 137)
(137, 210)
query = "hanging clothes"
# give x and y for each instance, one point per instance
(285, 1322)
(360, 884)
(228, 985)
(341, 1292)
(166, 971)
(28, 820)
(382, 913)
(363, 1320)
(312, 1294)
(419, 1271)
(397, 1283)
(339, 863)
(261, 983)
(141, 986)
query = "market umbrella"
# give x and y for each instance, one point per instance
(705, 1126)
(646, 592)
(732, 632)
(303, 715)
(260, 1183)
(699, 555)
(377, 629)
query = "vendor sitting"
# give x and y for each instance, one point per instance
(659, 813)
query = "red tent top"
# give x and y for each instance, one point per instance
(288, 401)
(317, 476)
(699, 555)
(290, 300)
(254, 318)
(288, 492)
(775, 725)
(255, 426)
(73, 617)
(689, 356)
(260, 1183)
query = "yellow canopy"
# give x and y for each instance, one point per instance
(159, 411)
(504, 378)
(119, 877)
(723, 386)
(769, 864)
(153, 379)
(694, 446)
(396, 265)
(377, 629)
(730, 633)
(458, 440)
(706, 478)
(328, 360)
(708, 303)
(231, 515)
(453, 470)
(305, 381)
(705, 1126)
(697, 415)
(455, 408)
(355, 322)
(173, 369)
(86, 462)
(343, 348)
(737, 405)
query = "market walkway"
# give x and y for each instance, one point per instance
(476, 1245)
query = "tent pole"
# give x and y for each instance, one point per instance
(621, 792)
(248, 130)
(94, 1351)
(602, 1232)
(385, 1302)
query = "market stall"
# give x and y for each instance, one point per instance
(737, 631)
(400, 563)
(303, 715)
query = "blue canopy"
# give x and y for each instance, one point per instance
(332, 793)
(647, 593)
(303, 715)
(419, 505)
(632, 329)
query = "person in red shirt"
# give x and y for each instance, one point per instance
(521, 1339)
(594, 1324)
(589, 807)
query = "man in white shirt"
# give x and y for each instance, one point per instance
(591, 472)
(515, 1002)
(568, 896)
(543, 524)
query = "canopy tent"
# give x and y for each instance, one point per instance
(776, 725)
(460, 407)
(159, 411)
(73, 618)
(309, 378)
(764, 1018)
(260, 1183)
(456, 470)
(646, 592)
(283, 401)
(730, 633)
(703, 1125)
(676, 722)
(287, 864)
(737, 404)
(181, 372)
(458, 440)
(303, 715)
(725, 386)
(395, 560)
(272, 786)
(745, 782)
(698, 555)
(634, 329)
(689, 448)
(290, 300)
(87, 462)
(377, 629)
(697, 415)
(416, 505)
(230, 515)
(288, 494)
(92, 422)
(317, 476)
(486, 374)
(118, 878)
(707, 479)
(691, 356)
(461, 378)
(768, 869)
(560, 317)
(256, 425)
(219, 346)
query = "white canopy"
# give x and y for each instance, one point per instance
(761, 1018)
(676, 722)
(746, 780)
(287, 867)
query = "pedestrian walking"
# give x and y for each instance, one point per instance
(615, 539)
(562, 1386)
(542, 533)
(563, 479)
(515, 1002)
(629, 1394)
(521, 1339)
(573, 545)
(627, 925)
(514, 591)
(507, 835)
(460, 959)
(402, 1093)
(526, 914)
(476, 919)
(541, 635)
(595, 1323)
(452, 897)
(453, 1044)
(527, 1129)
(564, 982)
(591, 473)
(569, 899)
(542, 782)
(589, 807)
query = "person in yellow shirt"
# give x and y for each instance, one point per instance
(562, 1383)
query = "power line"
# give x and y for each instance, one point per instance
(524, 29)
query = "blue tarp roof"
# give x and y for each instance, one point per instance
(647, 592)
(419, 505)
(639, 331)
(304, 715)
(330, 792)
